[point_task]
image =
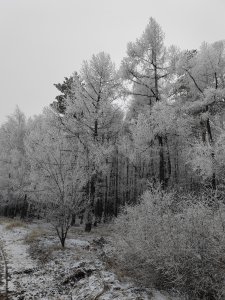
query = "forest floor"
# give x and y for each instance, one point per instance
(34, 265)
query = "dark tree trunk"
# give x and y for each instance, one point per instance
(62, 234)
(127, 182)
(116, 201)
(24, 208)
(168, 163)
(161, 162)
(105, 200)
(88, 226)
(63, 242)
(90, 209)
(73, 220)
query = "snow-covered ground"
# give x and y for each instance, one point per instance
(38, 268)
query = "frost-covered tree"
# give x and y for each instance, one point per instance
(145, 64)
(14, 168)
(93, 118)
(57, 175)
(148, 71)
(201, 85)
(145, 70)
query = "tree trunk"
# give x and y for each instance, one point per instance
(168, 163)
(88, 226)
(73, 221)
(127, 183)
(116, 201)
(161, 162)
(90, 209)
(24, 208)
(209, 131)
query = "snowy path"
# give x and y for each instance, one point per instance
(3, 273)
(42, 270)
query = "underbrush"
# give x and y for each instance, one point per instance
(178, 247)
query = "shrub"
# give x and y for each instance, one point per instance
(174, 249)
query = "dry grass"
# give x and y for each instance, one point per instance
(10, 225)
(56, 247)
(35, 235)
(5, 220)
(104, 230)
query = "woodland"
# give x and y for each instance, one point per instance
(141, 148)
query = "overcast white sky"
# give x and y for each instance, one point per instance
(42, 41)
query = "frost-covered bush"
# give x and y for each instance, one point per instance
(178, 250)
